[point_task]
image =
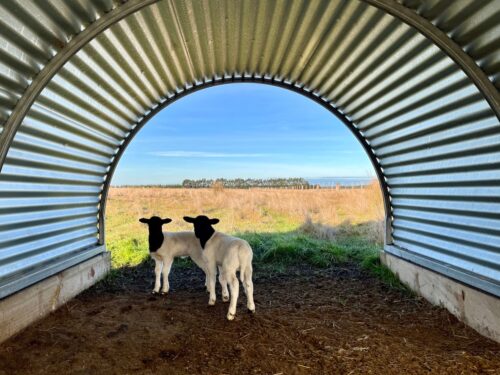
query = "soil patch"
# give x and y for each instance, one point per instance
(339, 320)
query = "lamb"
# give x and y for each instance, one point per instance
(228, 253)
(165, 246)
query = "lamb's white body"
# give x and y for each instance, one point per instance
(175, 244)
(230, 254)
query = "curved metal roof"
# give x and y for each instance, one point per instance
(415, 81)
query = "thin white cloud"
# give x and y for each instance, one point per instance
(204, 154)
(246, 139)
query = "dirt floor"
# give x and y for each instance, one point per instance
(334, 321)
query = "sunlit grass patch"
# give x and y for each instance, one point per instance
(128, 251)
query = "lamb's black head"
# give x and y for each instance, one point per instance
(155, 221)
(155, 233)
(202, 227)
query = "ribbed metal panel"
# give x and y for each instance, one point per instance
(473, 25)
(424, 117)
(53, 174)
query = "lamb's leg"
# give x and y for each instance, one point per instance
(248, 283)
(158, 268)
(166, 271)
(223, 284)
(234, 285)
(212, 277)
(200, 262)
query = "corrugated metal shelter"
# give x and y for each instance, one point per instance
(416, 81)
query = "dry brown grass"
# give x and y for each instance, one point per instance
(322, 212)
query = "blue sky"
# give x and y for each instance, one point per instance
(242, 130)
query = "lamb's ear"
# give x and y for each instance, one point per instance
(213, 221)
(189, 219)
(144, 220)
(166, 221)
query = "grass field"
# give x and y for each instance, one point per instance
(285, 227)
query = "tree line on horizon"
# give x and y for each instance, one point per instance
(236, 183)
(246, 183)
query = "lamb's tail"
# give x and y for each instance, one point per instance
(246, 273)
(246, 263)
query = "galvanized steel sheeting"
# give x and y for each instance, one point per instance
(433, 134)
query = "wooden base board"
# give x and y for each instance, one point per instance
(34, 302)
(477, 309)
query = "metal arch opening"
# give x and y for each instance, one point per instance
(248, 79)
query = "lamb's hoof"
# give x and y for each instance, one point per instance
(211, 302)
(251, 311)
(230, 316)
(164, 293)
(225, 298)
(154, 292)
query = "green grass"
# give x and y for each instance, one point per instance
(293, 249)
(128, 251)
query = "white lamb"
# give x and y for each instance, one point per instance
(165, 246)
(231, 254)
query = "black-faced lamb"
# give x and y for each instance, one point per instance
(231, 254)
(165, 246)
